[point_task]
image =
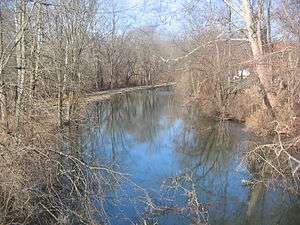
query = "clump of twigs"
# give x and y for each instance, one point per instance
(45, 178)
(192, 208)
(277, 163)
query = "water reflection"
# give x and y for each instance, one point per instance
(152, 138)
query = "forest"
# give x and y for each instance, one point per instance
(230, 60)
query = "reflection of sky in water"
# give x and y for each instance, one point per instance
(143, 133)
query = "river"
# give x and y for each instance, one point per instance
(171, 160)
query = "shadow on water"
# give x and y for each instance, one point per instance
(172, 159)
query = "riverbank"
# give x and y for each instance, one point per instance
(108, 94)
(105, 95)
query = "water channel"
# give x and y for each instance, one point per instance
(173, 159)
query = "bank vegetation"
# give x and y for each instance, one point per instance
(242, 64)
(52, 55)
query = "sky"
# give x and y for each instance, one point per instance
(167, 16)
(162, 14)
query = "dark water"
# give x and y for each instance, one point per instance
(172, 158)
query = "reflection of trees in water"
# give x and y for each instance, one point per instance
(208, 146)
(113, 125)
(210, 151)
(84, 183)
(265, 207)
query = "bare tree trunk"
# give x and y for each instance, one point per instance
(99, 75)
(20, 7)
(63, 83)
(111, 75)
(38, 40)
(60, 97)
(66, 67)
(259, 25)
(255, 39)
(70, 106)
(149, 77)
(112, 62)
(269, 30)
(219, 87)
(3, 97)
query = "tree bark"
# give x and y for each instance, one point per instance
(269, 29)
(38, 41)
(255, 38)
(3, 100)
(3, 97)
(20, 7)
(112, 46)
(60, 98)
(70, 106)
(99, 75)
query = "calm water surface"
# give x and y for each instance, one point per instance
(167, 152)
